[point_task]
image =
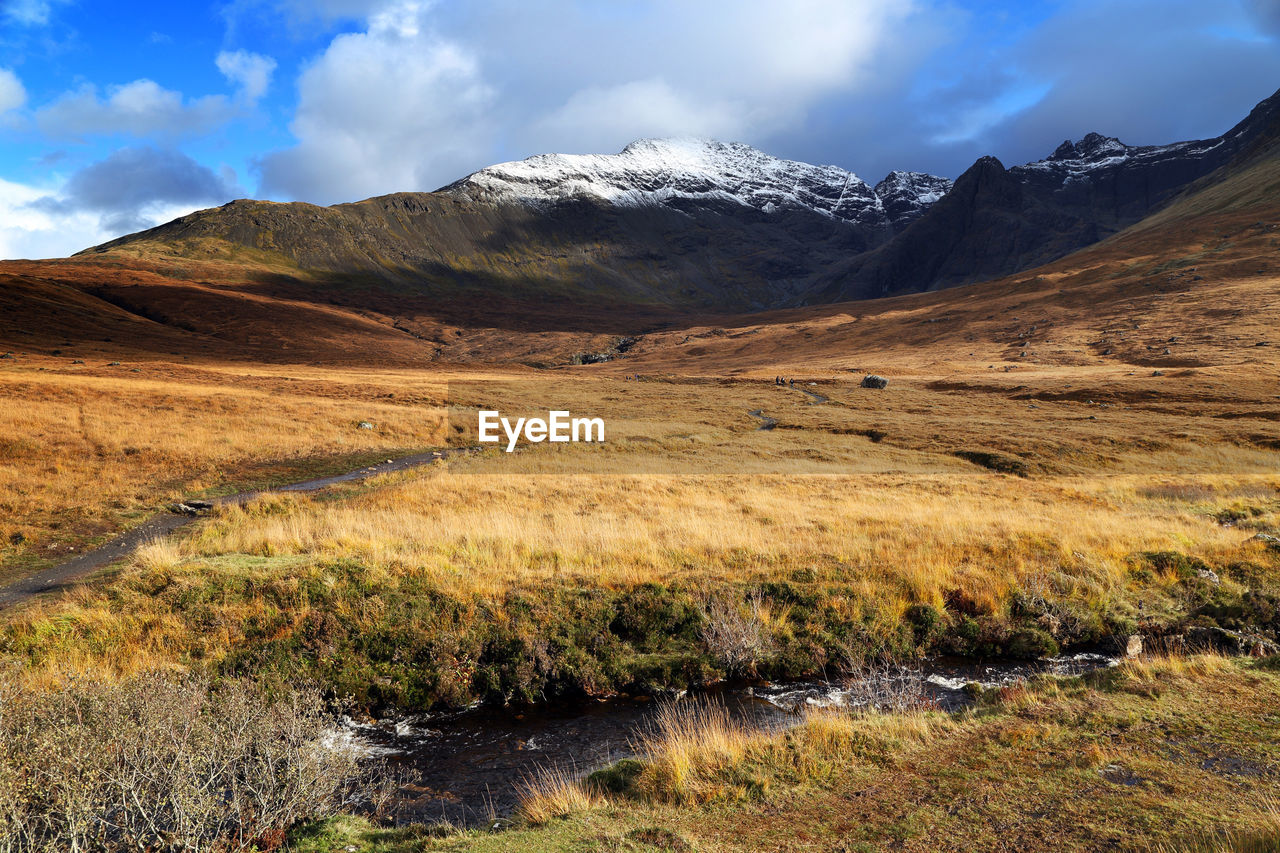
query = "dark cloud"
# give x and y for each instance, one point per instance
(1147, 72)
(131, 184)
(1266, 13)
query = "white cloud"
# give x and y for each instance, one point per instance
(389, 109)
(26, 232)
(747, 68)
(251, 72)
(28, 13)
(12, 93)
(403, 106)
(601, 119)
(140, 108)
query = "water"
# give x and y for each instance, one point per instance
(464, 767)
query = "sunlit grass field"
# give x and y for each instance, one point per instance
(878, 523)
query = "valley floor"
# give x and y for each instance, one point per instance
(964, 509)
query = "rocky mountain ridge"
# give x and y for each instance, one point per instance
(703, 225)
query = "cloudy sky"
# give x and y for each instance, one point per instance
(115, 116)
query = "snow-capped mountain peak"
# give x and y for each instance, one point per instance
(905, 196)
(1093, 147)
(680, 173)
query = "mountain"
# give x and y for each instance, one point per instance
(671, 224)
(906, 196)
(690, 175)
(564, 254)
(997, 221)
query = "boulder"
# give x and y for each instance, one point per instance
(364, 425)
(190, 507)
(1230, 642)
(1126, 645)
(1272, 542)
(871, 380)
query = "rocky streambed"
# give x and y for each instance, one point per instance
(464, 767)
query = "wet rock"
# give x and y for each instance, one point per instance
(1230, 642)
(871, 380)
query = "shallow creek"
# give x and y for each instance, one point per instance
(463, 767)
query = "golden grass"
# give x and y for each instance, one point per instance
(689, 749)
(552, 792)
(907, 539)
(696, 752)
(158, 555)
(81, 454)
(686, 490)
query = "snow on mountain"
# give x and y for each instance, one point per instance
(905, 196)
(679, 172)
(1095, 153)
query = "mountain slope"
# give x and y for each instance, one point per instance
(699, 225)
(664, 224)
(997, 221)
(1194, 285)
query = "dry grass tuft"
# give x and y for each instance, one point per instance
(159, 555)
(691, 749)
(550, 793)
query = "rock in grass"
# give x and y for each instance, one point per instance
(364, 425)
(1229, 642)
(871, 380)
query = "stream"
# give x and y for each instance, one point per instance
(463, 767)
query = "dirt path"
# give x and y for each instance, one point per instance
(817, 398)
(167, 522)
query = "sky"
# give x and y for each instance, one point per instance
(118, 116)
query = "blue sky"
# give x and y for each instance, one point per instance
(117, 116)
